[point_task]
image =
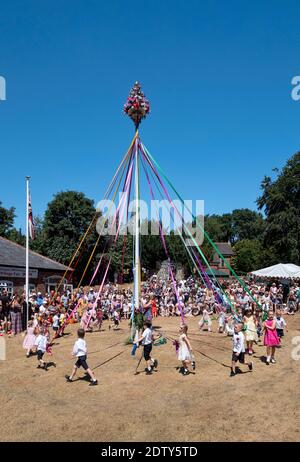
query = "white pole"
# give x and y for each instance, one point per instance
(27, 249)
(137, 232)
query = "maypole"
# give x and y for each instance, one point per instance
(136, 107)
(137, 257)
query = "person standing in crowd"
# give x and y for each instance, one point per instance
(16, 316)
(6, 302)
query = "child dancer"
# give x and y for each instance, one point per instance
(222, 321)
(185, 352)
(147, 339)
(205, 320)
(229, 325)
(280, 324)
(41, 347)
(115, 320)
(271, 340)
(55, 324)
(29, 340)
(80, 351)
(251, 330)
(238, 351)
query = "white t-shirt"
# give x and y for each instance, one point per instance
(238, 343)
(79, 348)
(147, 336)
(41, 343)
(55, 321)
(280, 323)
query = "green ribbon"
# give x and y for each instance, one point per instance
(204, 232)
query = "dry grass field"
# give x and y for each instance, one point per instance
(208, 405)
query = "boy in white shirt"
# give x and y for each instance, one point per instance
(41, 347)
(80, 351)
(280, 324)
(146, 339)
(55, 323)
(238, 350)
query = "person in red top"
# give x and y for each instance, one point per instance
(154, 307)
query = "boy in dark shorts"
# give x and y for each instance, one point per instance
(41, 348)
(80, 351)
(147, 339)
(238, 351)
(280, 325)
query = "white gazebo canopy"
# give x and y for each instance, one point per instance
(281, 270)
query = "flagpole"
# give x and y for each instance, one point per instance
(27, 250)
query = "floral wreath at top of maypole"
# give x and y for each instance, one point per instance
(137, 107)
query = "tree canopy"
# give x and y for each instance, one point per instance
(259, 238)
(280, 201)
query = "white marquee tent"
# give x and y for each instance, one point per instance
(282, 270)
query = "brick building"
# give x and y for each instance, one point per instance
(44, 273)
(217, 264)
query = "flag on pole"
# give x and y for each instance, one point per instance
(30, 219)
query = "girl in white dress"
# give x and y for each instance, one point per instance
(185, 352)
(205, 321)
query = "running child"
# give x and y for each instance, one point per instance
(146, 340)
(29, 340)
(115, 320)
(238, 351)
(80, 351)
(41, 348)
(205, 321)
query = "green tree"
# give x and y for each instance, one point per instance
(280, 201)
(16, 236)
(248, 255)
(219, 227)
(67, 218)
(247, 224)
(7, 217)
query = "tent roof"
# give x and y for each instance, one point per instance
(281, 270)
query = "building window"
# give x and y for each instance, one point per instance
(8, 286)
(52, 283)
(31, 288)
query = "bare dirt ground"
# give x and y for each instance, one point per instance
(262, 405)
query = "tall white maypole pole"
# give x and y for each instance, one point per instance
(137, 107)
(27, 249)
(137, 260)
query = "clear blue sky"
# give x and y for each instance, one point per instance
(218, 76)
